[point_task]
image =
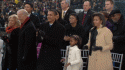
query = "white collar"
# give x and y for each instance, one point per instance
(75, 46)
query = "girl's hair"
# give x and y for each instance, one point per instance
(59, 15)
(18, 23)
(77, 38)
(101, 17)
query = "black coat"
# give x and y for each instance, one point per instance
(27, 55)
(67, 15)
(87, 21)
(78, 30)
(10, 59)
(50, 53)
(119, 36)
(35, 19)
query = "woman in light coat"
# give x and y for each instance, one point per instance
(99, 44)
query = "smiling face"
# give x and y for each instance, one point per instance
(72, 19)
(97, 22)
(51, 16)
(12, 22)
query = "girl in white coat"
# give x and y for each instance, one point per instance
(73, 60)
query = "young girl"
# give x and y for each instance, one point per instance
(73, 60)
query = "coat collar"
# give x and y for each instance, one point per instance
(73, 47)
(26, 20)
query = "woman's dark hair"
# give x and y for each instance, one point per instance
(77, 38)
(105, 14)
(101, 17)
(59, 15)
(76, 16)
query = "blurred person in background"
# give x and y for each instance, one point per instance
(66, 11)
(35, 19)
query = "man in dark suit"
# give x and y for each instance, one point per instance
(66, 11)
(118, 34)
(85, 17)
(35, 19)
(51, 34)
(26, 56)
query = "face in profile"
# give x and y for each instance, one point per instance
(108, 5)
(57, 16)
(51, 16)
(72, 41)
(115, 17)
(72, 19)
(97, 22)
(28, 8)
(64, 5)
(12, 22)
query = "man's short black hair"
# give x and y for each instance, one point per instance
(54, 11)
(31, 5)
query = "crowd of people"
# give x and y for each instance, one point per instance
(30, 24)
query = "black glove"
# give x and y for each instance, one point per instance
(85, 47)
(95, 48)
(5, 39)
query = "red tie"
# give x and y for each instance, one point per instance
(83, 19)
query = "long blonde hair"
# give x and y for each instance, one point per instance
(18, 23)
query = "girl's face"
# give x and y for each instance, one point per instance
(97, 22)
(72, 42)
(72, 19)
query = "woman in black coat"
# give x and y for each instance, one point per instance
(74, 28)
(59, 19)
(11, 40)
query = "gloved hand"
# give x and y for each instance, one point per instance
(85, 47)
(5, 39)
(95, 48)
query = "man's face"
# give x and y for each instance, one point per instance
(115, 18)
(51, 17)
(108, 5)
(86, 6)
(21, 17)
(28, 8)
(64, 5)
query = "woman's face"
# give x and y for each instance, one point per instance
(57, 16)
(12, 22)
(97, 22)
(72, 19)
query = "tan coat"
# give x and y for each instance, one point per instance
(101, 60)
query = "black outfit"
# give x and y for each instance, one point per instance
(63, 22)
(50, 54)
(67, 15)
(35, 19)
(27, 55)
(119, 39)
(87, 21)
(78, 30)
(10, 59)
